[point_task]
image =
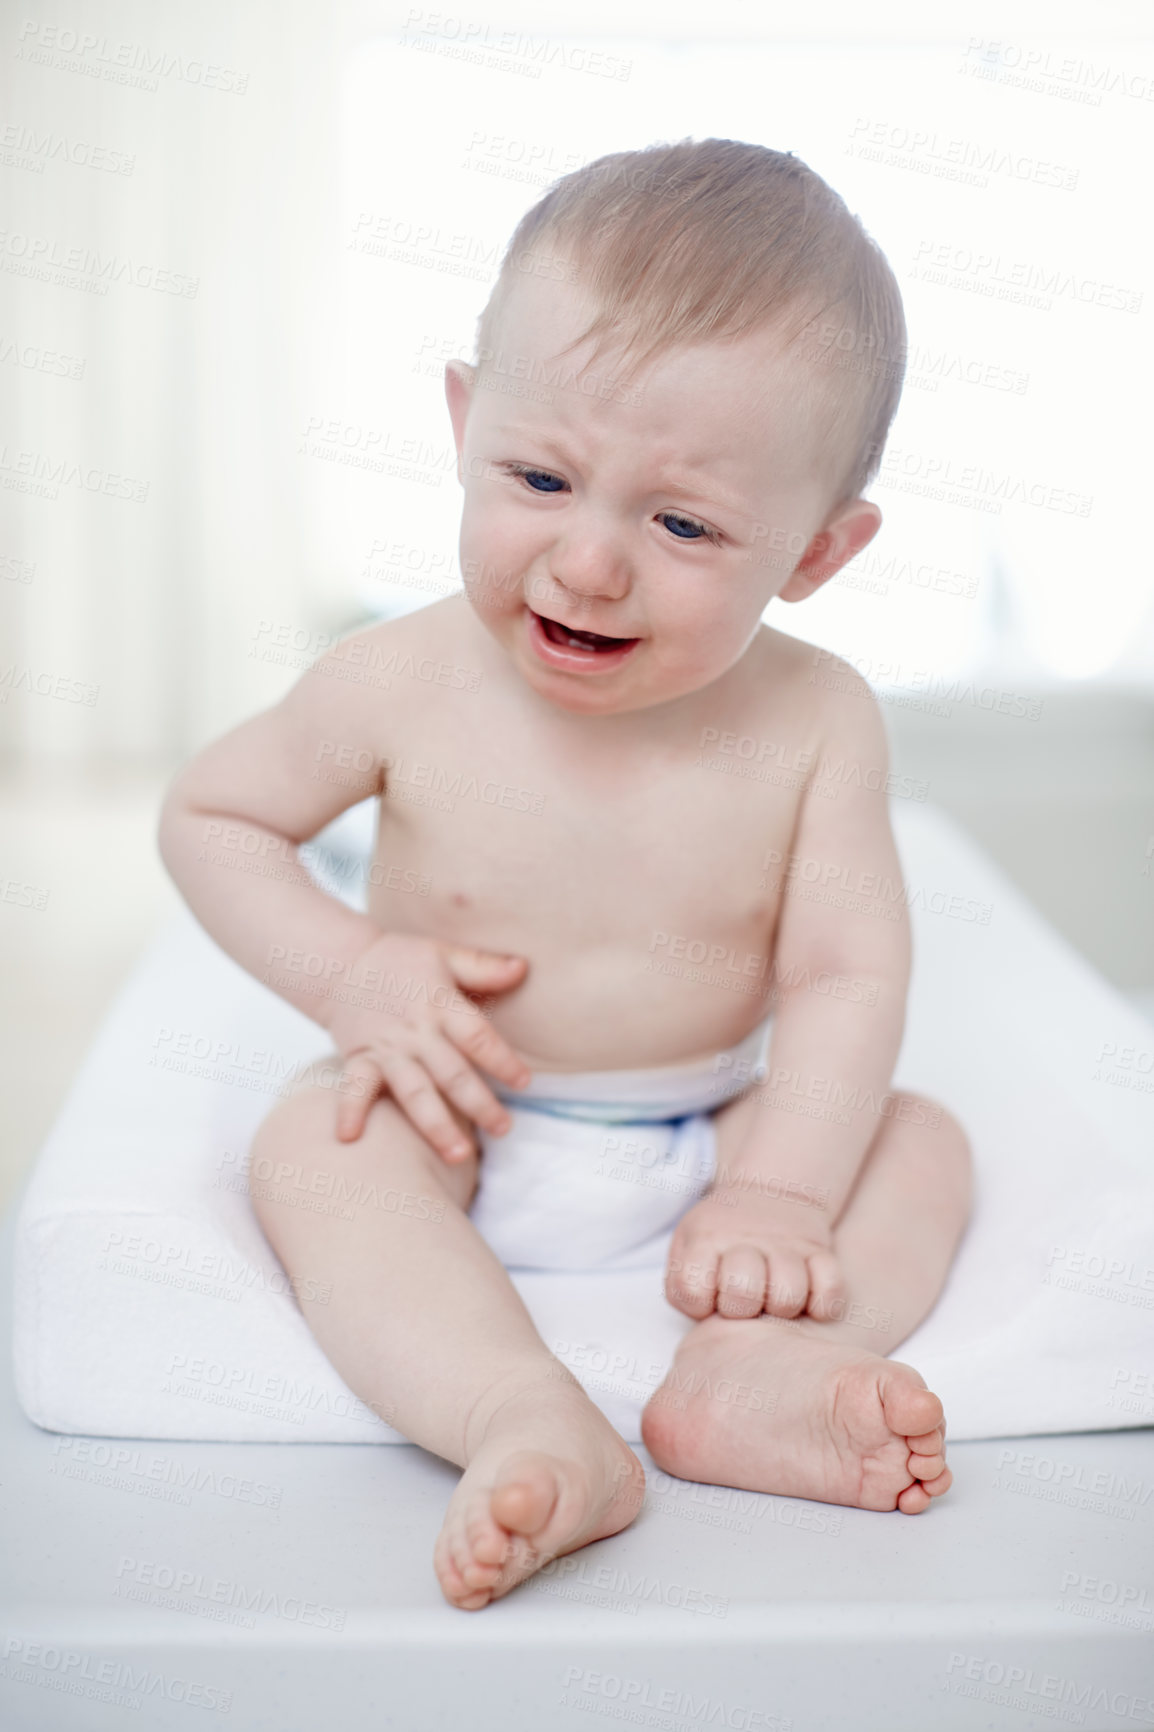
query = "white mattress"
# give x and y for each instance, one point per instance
(148, 1305)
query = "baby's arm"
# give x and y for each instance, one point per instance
(229, 832)
(838, 982)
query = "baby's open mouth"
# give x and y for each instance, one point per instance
(586, 640)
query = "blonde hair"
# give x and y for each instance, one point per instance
(692, 242)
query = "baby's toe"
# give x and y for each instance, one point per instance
(930, 1442)
(473, 1572)
(487, 1543)
(456, 1590)
(526, 1500)
(914, 1499)
(925, 1467)
(911, 1410)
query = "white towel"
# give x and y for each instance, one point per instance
(148, 1303)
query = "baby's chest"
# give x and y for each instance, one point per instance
(681, 848)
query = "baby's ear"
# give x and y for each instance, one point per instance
(460, 378)
(463, 371)
(852, 527)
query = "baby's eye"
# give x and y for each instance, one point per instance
(678, 526)
(553, 483)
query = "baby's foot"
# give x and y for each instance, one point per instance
(769, 1408)
(550, 1474)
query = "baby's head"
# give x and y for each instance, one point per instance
(684, 380)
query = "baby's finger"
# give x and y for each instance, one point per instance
(423, 1104)
(788, 1287)
(460, 1083)
(358, 1087)
(827, 1288)
(483, 970)
(476, 1037)
(741, 1282)
(691, 1280)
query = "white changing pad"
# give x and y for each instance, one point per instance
(148, 1304)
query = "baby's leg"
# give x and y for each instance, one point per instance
(813, 1409)
(424, 1325)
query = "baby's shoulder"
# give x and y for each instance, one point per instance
(800, 666)
(385, 668)
(438, 624)
(824, 693)
(431, 645)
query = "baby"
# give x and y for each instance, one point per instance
(604, 785)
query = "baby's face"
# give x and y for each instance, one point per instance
(660, 512)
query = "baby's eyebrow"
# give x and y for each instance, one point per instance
(706, 486)
(670, 475)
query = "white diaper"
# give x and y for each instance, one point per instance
(598, 1170)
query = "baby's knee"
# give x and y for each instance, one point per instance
(296, 1153)
(946, 1143)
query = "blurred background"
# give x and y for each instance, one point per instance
(241, 240)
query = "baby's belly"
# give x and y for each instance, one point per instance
(618, 1011)
(639, 954)
(620, 1031)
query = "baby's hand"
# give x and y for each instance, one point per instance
(753, 1256)
(421, 1056)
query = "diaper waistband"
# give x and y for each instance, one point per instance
(650, 1095)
